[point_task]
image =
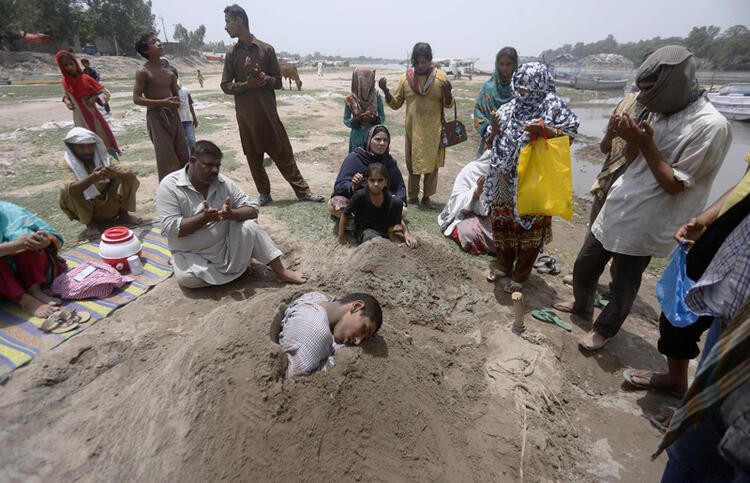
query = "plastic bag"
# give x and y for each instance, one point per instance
(545, 181)
(672, 288)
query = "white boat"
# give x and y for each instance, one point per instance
(733, 101)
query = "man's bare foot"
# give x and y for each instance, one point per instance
(567, 307)
(592, 341)
(290, 276)
(130, 220)
(36, 292)
(92, 231)
(37, 307)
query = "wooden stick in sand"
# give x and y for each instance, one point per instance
(517, 298)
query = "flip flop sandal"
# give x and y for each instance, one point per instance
(544, 260)
(592, 348)
(513, 287)
(662, 420)
(628, 376)
(72, 322)
(550, 317)
(554, 268)
(53, 320)
(600, 302)
(495, 274)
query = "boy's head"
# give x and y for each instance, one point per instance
(362, 319)
(85, 62)
(144, 43)
(232, 14)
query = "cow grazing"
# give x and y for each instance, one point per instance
(288, 71)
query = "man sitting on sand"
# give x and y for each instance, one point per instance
(315, 325)
(95, 188)
(210, 224)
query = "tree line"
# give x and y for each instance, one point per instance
(714, 49)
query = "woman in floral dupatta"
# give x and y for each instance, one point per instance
(518, 239)
(80, 96)
(495, 92)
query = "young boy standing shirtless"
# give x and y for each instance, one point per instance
(156, 88)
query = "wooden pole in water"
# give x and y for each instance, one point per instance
(517, 298)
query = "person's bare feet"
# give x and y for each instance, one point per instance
(567, 307)
(290, 276)
(92, 231)
(592, 341)
(37, 307)
(36, 292)
(130, 220)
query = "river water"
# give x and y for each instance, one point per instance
(594, 121)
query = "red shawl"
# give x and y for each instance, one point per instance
(80, 85)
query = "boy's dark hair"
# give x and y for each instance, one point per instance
(508, 52)
(85, 61)
(421, 49)
(142, 41)
(235, 11)
(206, 148)
(377, 168)
(371, 310)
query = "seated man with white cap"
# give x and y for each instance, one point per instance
(95, 189)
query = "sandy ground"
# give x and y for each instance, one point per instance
(184, 385)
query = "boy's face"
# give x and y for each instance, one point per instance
(154, 47)
(354, 326)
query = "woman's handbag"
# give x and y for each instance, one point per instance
(672, 288)
(545, 180)
(453, 132)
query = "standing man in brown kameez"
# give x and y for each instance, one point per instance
(251, 73)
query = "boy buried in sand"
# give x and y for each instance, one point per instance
(314, 325)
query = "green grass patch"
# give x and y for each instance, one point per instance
(17, 92)
(308, 221)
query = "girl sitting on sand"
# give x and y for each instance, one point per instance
(376, 213)
(81, 92)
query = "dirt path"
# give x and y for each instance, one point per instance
(183, 385)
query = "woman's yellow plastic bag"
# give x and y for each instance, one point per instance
(545, 181)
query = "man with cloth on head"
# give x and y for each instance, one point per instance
(211, 224)
(679, 148)
(95, 188)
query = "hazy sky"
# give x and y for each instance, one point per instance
(388, 28)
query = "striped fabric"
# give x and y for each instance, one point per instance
(725, 368)
(20, 336)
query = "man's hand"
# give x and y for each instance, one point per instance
(383, 84)
(99, 174)
(690, 231)
(226, 210)
(638, 135)
(357, 181)
(210, 214)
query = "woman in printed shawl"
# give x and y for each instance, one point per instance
(347, 181)
(81, 92)
(28, 259)
(518, 238)
(364, 106)
(426, 90)
(495, 92)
